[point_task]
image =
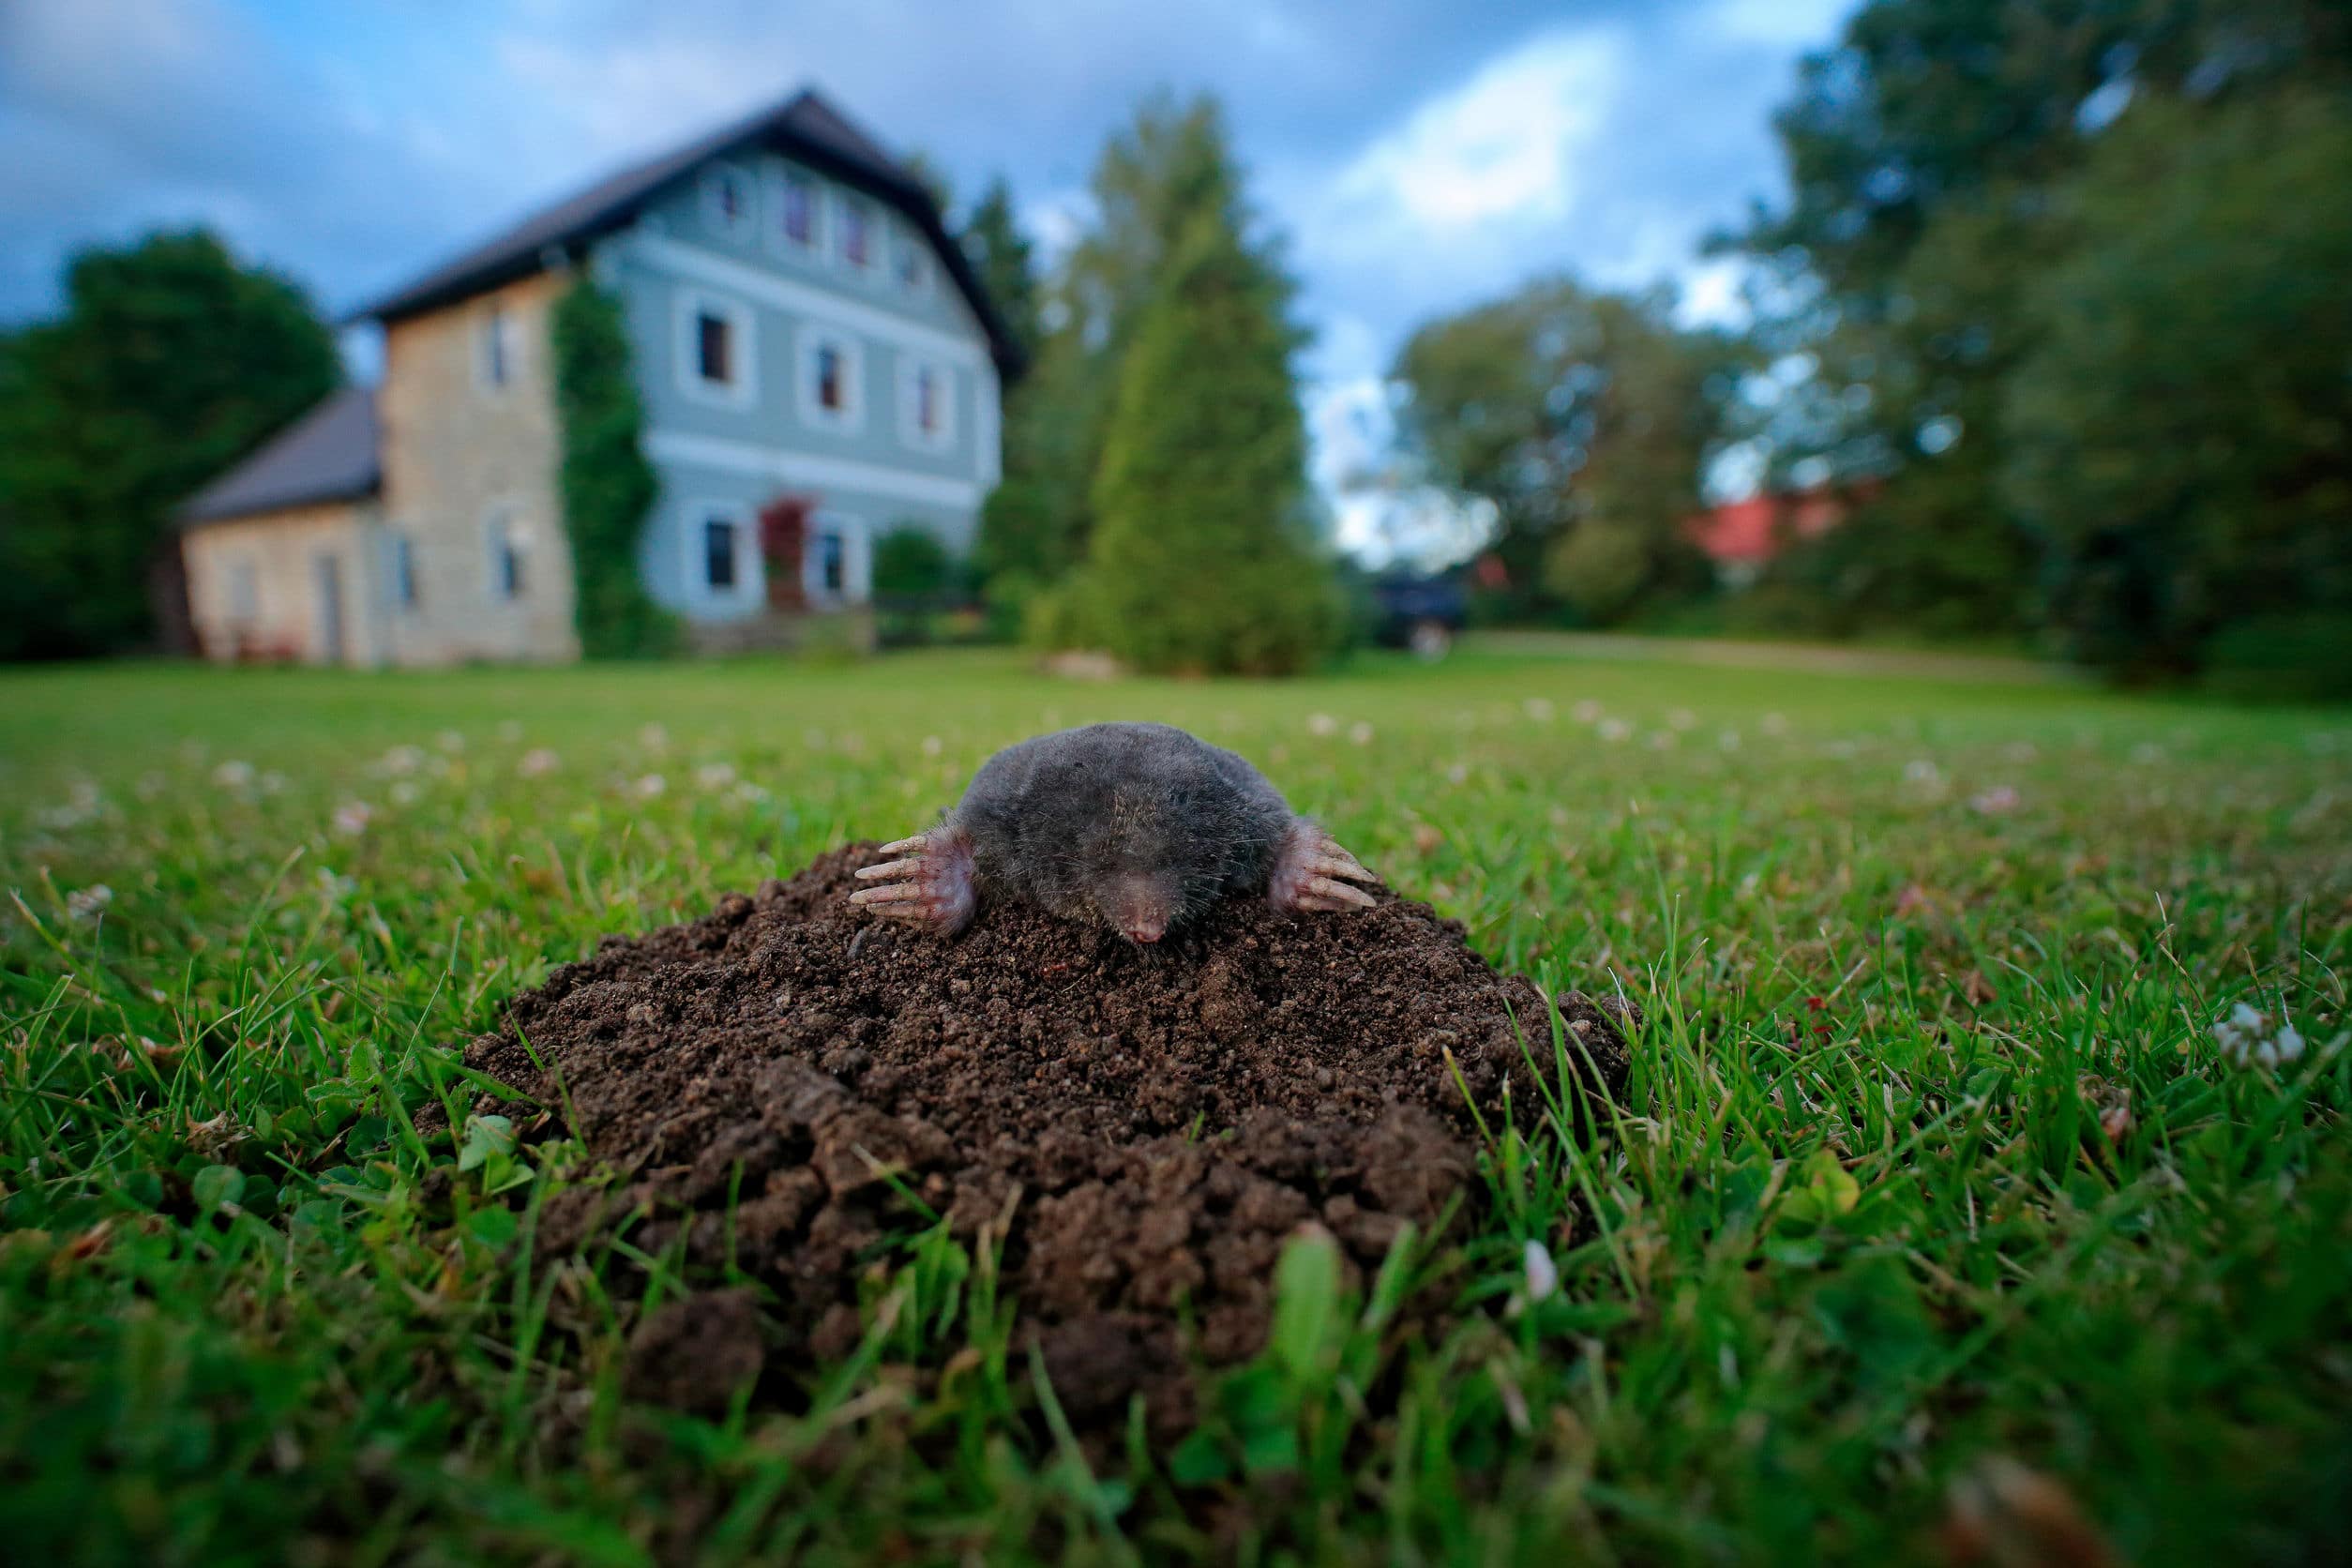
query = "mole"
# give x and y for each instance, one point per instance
(1139, 826)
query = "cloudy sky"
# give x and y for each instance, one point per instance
(1421, 155)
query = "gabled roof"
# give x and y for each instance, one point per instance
(804, 127)
(329, 454)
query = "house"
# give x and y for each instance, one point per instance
(1740, 538)
(817, 364)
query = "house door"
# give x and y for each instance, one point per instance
(328, 568)
(783, 538)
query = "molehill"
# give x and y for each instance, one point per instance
(1139, 1130)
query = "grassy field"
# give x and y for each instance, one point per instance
(1940, 1218)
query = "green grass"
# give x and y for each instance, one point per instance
(1931, 1161)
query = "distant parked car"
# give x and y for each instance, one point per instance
(1421, 613)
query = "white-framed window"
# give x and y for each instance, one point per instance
(716, 349)
(913, 263)
(832, 380)
(860, 236)
(244, 591)
(833, 562)
(797, 211)
(722, 551)
(926, 404)
(497, 347)
(507, 549)
(726, 199)
(403, 572)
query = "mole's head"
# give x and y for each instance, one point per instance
(1151, 859)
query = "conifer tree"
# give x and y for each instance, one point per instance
(1203, 559)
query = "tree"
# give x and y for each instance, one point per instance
(606, 482)
(1203, 559)
(170, 363)
(1924, 154)
(2181, 433)
(1169, 167)
(1006, 263)
(1586, 417)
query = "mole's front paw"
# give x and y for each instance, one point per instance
(1309, 873)
(930, 886)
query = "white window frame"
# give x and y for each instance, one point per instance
(497, 341)
(877, 238)
(856, 564)
(503, 522)
(750, 577)
(714, 216)
(851, 417)
(743, 328)
(779, 180)
(911, 432)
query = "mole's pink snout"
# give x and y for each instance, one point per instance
(1139, 908)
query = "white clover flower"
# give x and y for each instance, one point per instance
(402, 760)
(538, 761)
(648, 787)
(1614, 730)
(233, 775)
(1457, 773)
(653, 737)
(1586, 712)
(1538, 708)
(1682, 718)
(750, 793)
(1727, 739)
(1360, 732)
(352, 818)
(1996, 800)
(88, 903)
(2246, 1038)
(510, 730)
(933, 745)
(1921, 770)
(1543, 1274)
(1664, 740)
(1321, 724)
(714, 776)
(403, 793)
(151, 785)
(273, 782)
(1772, 724)
(450, 741)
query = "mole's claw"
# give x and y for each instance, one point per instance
(1326, 887)
(1308, 872)
(932, 885)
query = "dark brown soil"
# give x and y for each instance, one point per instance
(1140, 1129)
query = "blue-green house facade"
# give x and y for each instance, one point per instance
(807, 342)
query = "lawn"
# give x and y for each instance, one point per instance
(1938, 1218)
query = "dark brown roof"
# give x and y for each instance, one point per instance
(329, 454)
(804, 126)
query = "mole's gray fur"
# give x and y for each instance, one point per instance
(1140, 826)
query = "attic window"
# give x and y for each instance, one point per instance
(499, 348)
(913, 273)
(797, 209)
(857, 234)
(725, 201)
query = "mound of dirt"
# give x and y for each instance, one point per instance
(1139, 1129)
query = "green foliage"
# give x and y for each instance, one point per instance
(171, 362)
(1924, 1162)
(608, 486)
(1929, 156)
(1586, 417)
(909, 562)
(1005, 261)
(1158, 176)
(1203, 559)
(2182, 433)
